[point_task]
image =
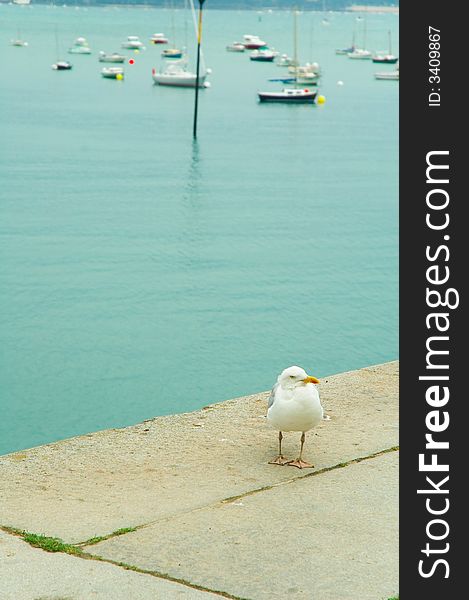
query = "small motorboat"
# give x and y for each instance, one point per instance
(388, 75)
(113, 73)
(307, 78)
(253, 42)
(62, 65)
(172, 53)
(236, 47)
(159, 38)
(80, 46)
(132, 43)
(262, 55)
(286, 61)
(111, 58)
(289, 95)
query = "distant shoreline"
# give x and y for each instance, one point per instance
(143, 4)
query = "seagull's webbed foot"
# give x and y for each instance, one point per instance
(300, 464)
(279, 460)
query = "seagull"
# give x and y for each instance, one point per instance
(294, 405)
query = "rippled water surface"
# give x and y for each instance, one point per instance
(142, 274)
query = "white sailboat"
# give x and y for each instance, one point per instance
(361, 53)
(60, 65)
(292, 95)
(172, 52)
(18, 41)
(177, 73)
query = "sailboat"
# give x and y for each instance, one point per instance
(361, 53)
(60, 65)
(177, 73)
(18, 41)
(291, 95)
(172, 52)
(345, 51)
(325, 20)
(388, 58)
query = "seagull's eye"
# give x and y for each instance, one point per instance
(292, 377)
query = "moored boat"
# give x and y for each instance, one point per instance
(236, 47)
(62, 65)
(388, 75)
(159, 38)
(80, 46)
(386, 59)
(176, 74)
(345, 51)
(262, 55)
(111, 58)
(132, 43)
(286, 61)
(112, 72)
(360, 54)
(289, 95)
(172, 53)
(19, 42)
(253, 42)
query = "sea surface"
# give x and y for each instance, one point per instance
(143, 274)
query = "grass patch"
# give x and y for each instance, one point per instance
(49, 544)
(101, 538)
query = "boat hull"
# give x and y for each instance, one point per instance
(287, 99)
(391, 76)
(178, 81)
(112, 59)
(79, 50)
(262, 58)
(62, 66)
(171, 54)
(385, 61)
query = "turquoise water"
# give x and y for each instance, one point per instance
(142, 274)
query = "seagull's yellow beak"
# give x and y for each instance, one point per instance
(310, 379)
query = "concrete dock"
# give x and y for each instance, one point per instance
(204, 515)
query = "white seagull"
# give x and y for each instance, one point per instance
(294, 405)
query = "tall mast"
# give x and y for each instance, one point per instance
(295, 43)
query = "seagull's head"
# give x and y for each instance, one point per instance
(295, 377)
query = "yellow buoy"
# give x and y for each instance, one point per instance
(137, 51)
(321, 99)
(119, 76)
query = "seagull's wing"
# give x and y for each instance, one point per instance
(272, 395)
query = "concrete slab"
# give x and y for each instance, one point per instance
(28, 573)
(332, 536)
(94, 484)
